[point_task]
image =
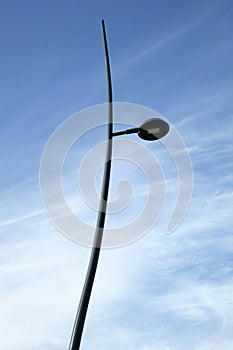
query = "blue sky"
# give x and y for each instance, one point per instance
(165, 292)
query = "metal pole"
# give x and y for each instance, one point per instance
(90, 276)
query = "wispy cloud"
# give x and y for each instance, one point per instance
(166, 40)
(21, 218)
(158, 281)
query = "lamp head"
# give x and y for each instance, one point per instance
(153, 129)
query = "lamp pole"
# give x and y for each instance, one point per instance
(90, 276)
(150, 130)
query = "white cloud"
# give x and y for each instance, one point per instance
(225, 345)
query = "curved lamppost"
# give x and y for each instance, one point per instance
(151, 130)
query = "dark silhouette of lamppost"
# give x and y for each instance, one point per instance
(150, 130)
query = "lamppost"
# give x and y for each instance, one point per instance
(150, 130)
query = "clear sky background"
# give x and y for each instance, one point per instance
(163, 292)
